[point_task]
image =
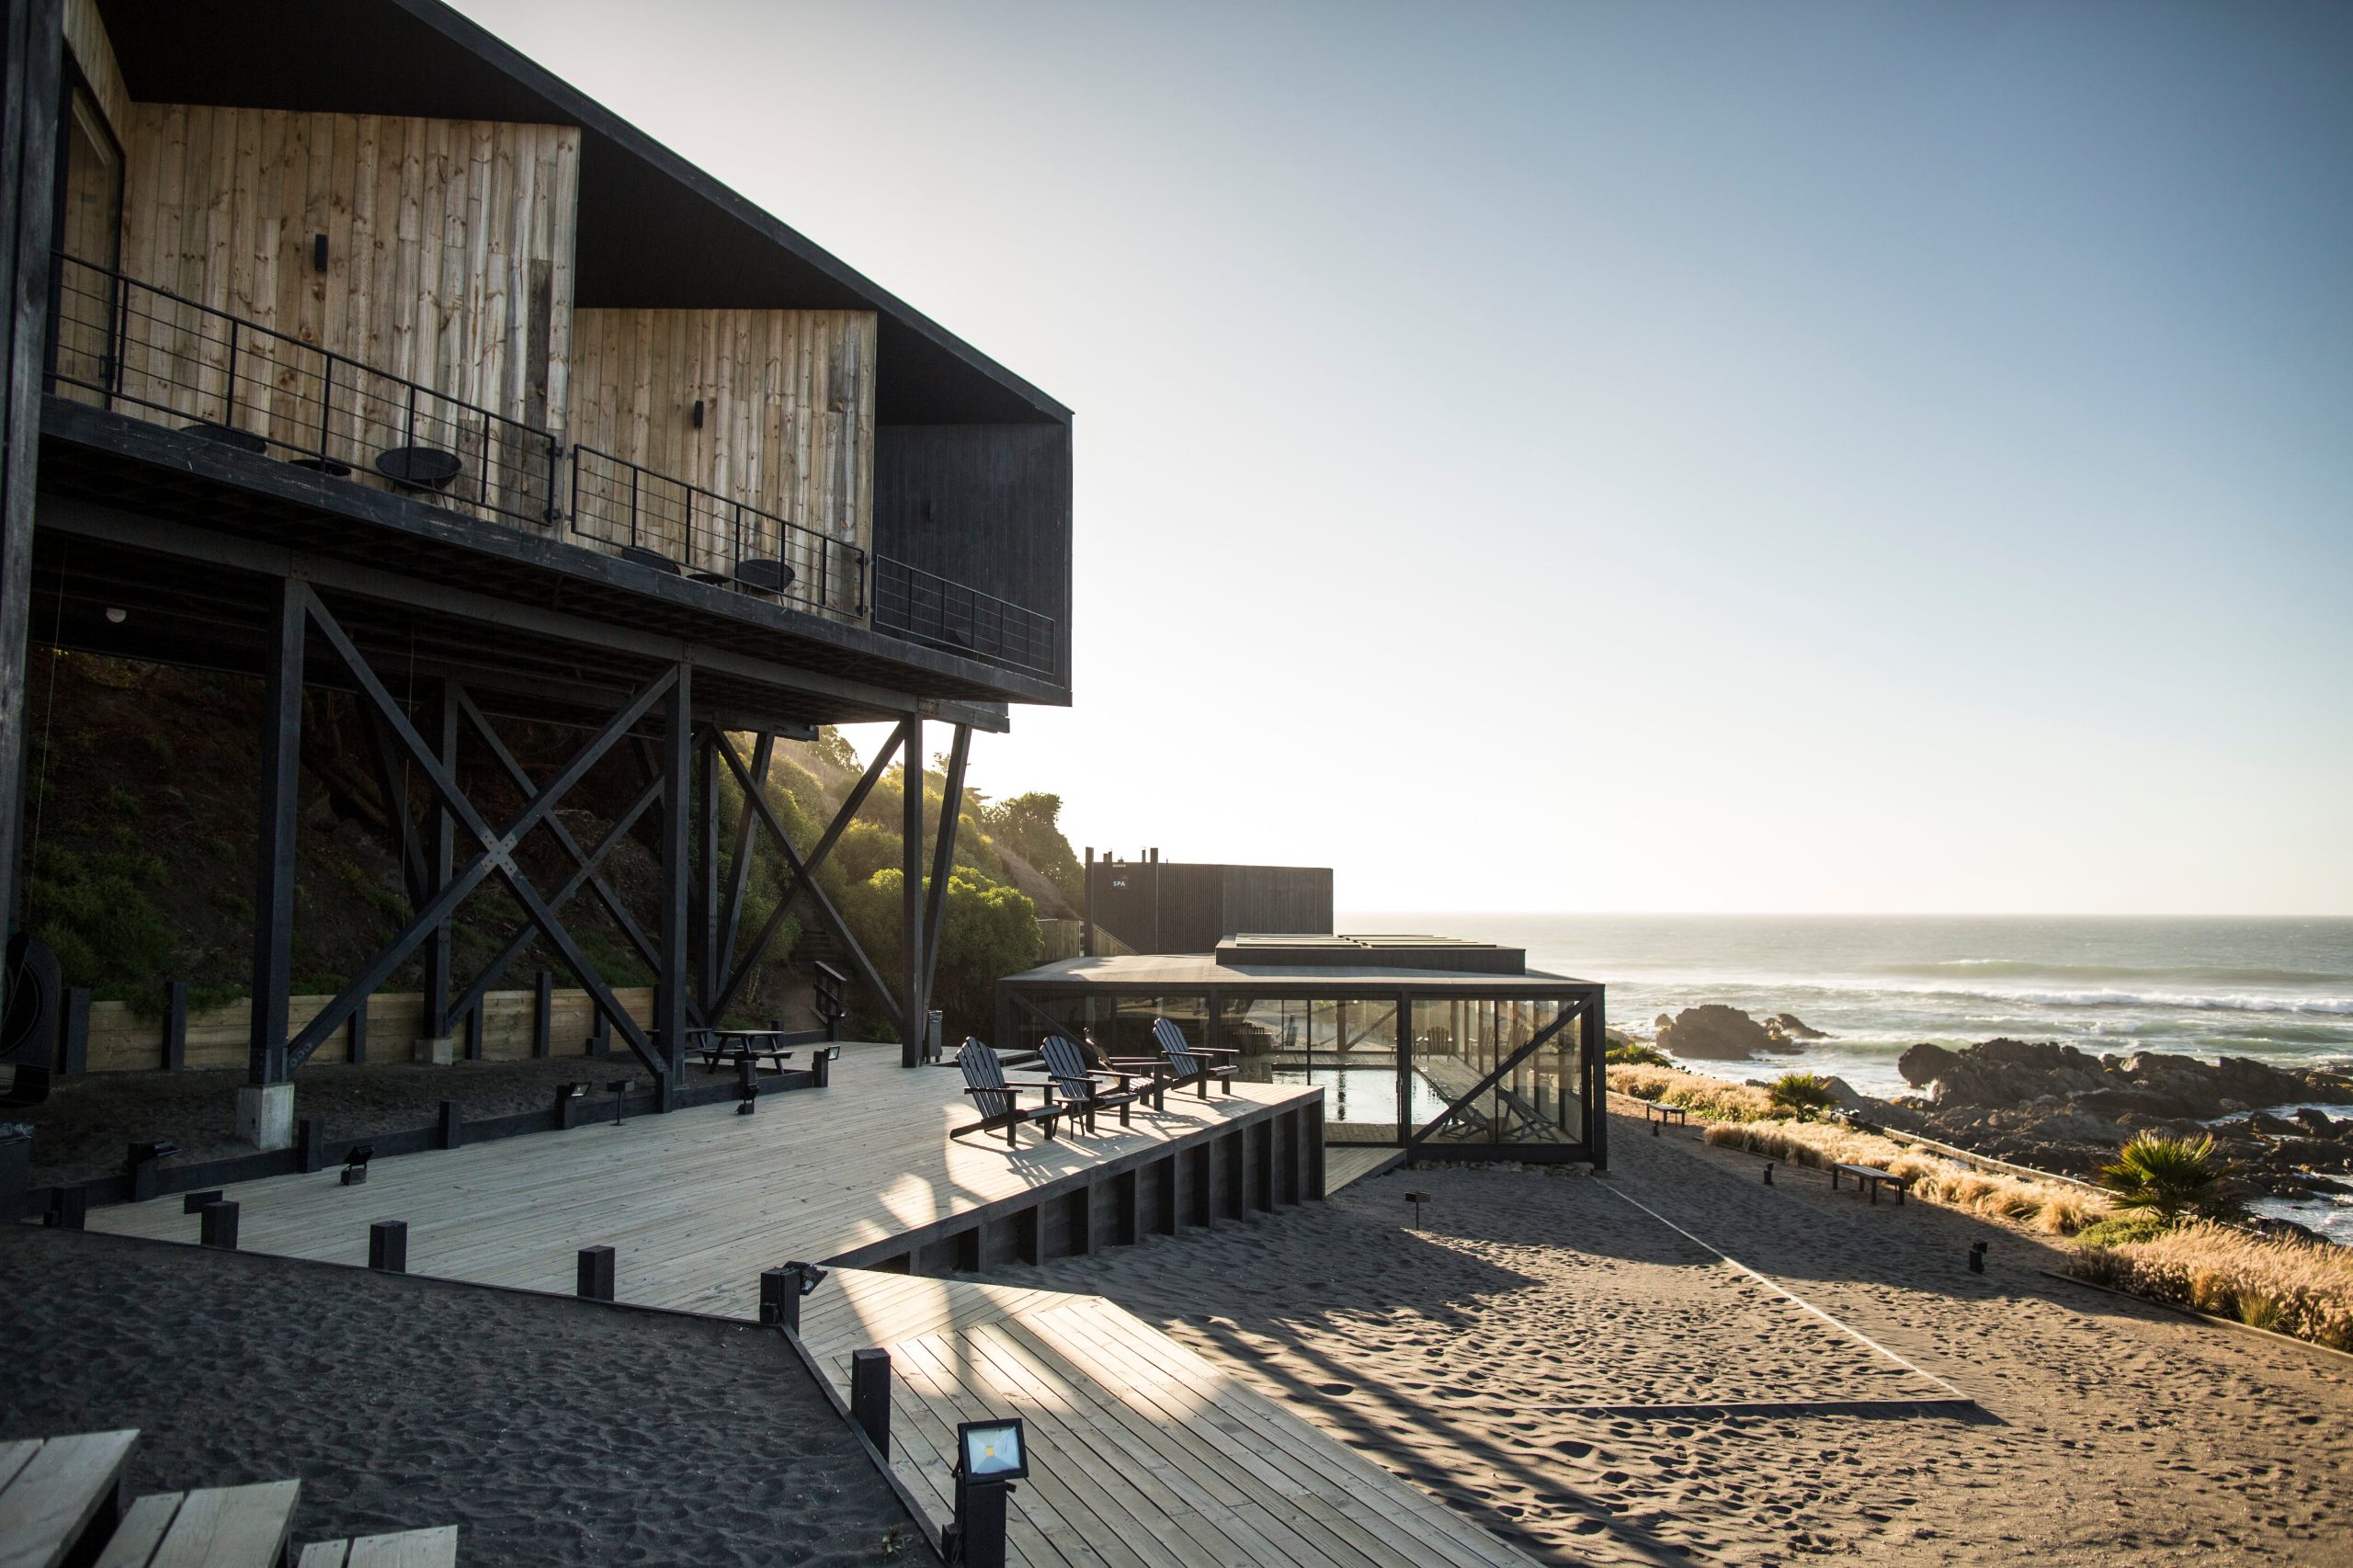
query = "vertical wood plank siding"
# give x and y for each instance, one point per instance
(450, 264)
(87, 42)
(787, 425)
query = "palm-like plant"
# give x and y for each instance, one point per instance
(1801, 1094)
(2167, 1176)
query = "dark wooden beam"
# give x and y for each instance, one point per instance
(740, 873)
(672, 980)
(281, 804)
(911, 895)
(951, 804)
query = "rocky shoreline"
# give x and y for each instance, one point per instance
(2058, 1108)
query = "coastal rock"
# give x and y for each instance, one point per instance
(1923, 1063)
(1714, 1032)
(1788, 1028)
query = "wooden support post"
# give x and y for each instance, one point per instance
(1593, 1054)
(473, 1031)
(174, 1025)
(31, 64)
(219, 1224)
(869, 1396)
(387, 1246)
(450, 1132)
(358, 1035)
(74, 1032)
(593, 1278)
(943, 862)
(917, 1005)
(1130, 1197)
(706, 875)
(543, 1015)
(281, 769)
(310, 1146)
(671, 981)
(1170, 1193)
(442, 865)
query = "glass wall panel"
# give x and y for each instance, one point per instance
(1462, 1043)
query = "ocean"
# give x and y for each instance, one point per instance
(2278, 990)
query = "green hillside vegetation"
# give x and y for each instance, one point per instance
(141, 784)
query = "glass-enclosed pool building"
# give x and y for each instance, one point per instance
(1450, 1050)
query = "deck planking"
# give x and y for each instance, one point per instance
(695, 1204)
(1143, 1454)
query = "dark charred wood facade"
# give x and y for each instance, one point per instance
(348, 348)
(1170, 906)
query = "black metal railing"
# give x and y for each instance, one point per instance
(121, 344)
(618, 503)
(923, 607)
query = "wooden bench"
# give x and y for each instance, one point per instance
(1870, 1178)
(60, 1495)
(1660, 1111)
(436, 1548)
(221, 1526)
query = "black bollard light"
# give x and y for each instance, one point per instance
(219, 1221)
(869, 1396)
(1768, 1173)
(1977, 1258)
(1655, 1125)
(619, 1089)
(595, 1280)
(780, 1293)
(1417, 1200)
(990, 1457)
(747, 1087)
(387, 1246)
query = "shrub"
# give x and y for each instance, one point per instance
(2054, 1207)
(1801, 1094)
(1634, 1054)
(2122, 1228)
(2286, 1284)
(2167, 1176)
(1710, 1097)
(987, 931)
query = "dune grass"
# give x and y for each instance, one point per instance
(2054, 1207)
(1711, 1098)
(2283, 1283)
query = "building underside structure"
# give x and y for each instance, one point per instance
(350, 350)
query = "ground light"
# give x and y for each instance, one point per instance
(990, 1457)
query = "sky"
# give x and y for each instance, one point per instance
(1630, 457)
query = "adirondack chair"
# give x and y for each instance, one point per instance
(1083, 1087)
(998, 1100)
(1180, 1064)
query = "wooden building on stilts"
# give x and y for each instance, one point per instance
(350, 349)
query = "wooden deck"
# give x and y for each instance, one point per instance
(1346, 1163)
(696, 1203)
(1143, 1454)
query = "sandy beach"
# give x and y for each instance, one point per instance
(550, 1430)
(1500, 1356)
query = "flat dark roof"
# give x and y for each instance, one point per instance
(1151, 973)
(1383, 952)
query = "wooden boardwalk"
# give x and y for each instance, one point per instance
(696, 1203)
(1346, 1163)
(1143, 1454)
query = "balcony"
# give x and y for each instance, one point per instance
(130, 347)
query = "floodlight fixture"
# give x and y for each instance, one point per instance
(355, 1164)
(992, 1450)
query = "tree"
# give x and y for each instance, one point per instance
(1030, 826)
(2167, 1176)
(987, 931)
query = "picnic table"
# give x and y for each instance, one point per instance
(765, 1048)
(1870, 1179)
